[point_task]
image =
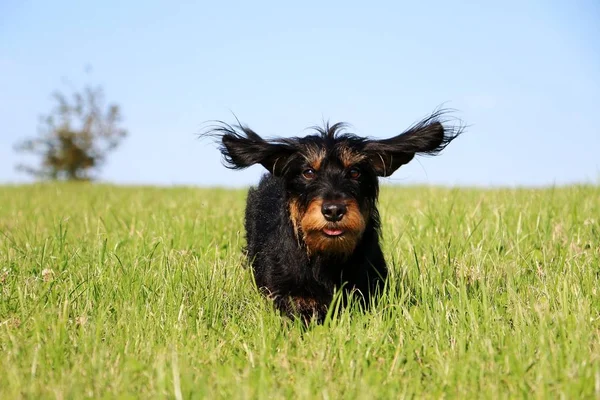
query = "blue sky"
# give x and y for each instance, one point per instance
(524, 74)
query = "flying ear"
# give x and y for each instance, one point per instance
(241, 147)
(427, 137)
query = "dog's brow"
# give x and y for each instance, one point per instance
(348, 157)
(314, 155)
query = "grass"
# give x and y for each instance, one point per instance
(140, 293)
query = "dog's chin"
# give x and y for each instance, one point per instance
(335, 241)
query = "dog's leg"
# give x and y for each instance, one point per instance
(305, 307)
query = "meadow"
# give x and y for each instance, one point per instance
(141, 292)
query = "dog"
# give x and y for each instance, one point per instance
(312, 224)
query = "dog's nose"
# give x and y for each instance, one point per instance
(333, 211)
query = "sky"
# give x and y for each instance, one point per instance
(524, 75)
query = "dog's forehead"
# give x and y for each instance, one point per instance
(315, 151)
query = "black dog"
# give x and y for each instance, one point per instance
(312, 224)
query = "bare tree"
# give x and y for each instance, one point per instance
(75, 138)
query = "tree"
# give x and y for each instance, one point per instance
(75, 138)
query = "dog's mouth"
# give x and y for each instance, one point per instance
(333, 232)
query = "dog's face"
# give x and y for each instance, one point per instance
(331, 177)
(332, 189)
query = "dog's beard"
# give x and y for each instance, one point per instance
(312, 227)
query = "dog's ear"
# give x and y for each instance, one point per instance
(427, 137)
(242, 147)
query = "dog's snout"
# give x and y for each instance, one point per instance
(333, 212)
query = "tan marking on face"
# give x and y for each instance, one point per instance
(348, 157)
(295, 216)
(312, 224)
(314, 156)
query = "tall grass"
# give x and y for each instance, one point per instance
(141, 292)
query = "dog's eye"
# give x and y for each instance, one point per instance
(354, 173)
(308, 173)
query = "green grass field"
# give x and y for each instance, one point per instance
(141, 293)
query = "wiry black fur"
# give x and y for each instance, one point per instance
(282, 267)
(299, 281)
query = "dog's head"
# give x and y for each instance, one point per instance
(331, 176)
